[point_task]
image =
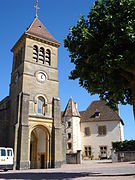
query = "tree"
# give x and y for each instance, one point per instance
(102, 48)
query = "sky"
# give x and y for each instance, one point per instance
(57, 16)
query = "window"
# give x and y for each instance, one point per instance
(48, 57)
(35, 53)
(87, 131)
(41, 105)
(9, 153)
(69, 124)
(69, 145)
(103, 151)
(2, 152)
(97, 114)
(41, 55)
(102, 130)
(87, 151)
(69, 135)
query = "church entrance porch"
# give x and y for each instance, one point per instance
(39, 148)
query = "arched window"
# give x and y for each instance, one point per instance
(35, 53)
(41, 55)
(48, 57)
(41, 105)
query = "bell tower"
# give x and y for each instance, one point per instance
(35, 126)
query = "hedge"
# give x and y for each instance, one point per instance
(124, 145)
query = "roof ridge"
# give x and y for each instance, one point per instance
(31, 24)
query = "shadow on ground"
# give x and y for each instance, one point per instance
(39, 176)
(55, 176)
(132, 163)
(107, 162)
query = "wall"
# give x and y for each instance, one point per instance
(95, 141)
(4, 122)
(123, 156)
(76, 134)
(74, 158)
(122, 131)
(48, 88)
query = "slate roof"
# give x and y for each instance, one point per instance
(71, 110)
(38, 29)
(105, 113)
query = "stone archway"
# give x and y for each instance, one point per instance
(39, 148)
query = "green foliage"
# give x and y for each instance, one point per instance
(124, 146)
(102, 47)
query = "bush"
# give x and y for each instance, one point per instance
(124, 145)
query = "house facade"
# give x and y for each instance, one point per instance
(99, 126)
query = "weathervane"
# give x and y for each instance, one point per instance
(36, 7)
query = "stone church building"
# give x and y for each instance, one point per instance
(30, 116)
(31, 121)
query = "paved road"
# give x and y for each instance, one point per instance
(88, 170)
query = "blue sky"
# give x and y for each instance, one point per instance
(57, 16)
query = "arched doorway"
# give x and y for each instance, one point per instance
(39, 148)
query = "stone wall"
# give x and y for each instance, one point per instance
(74, 158)
(57, 140)
(123, 156)
(4, 122)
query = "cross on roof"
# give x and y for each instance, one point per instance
(36, 7)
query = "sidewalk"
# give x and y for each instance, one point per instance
(88, 170)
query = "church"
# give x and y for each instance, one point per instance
(31, 119)
(31, 115)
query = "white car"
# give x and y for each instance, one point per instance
(6, 158)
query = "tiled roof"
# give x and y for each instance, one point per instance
(37, 29)
(71, 109)
(99, 107)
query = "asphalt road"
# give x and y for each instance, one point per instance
(87, 170)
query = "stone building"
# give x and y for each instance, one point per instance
(92, 131)
(30, 116)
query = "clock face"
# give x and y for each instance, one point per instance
(41, 77)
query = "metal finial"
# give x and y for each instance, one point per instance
(36, 8)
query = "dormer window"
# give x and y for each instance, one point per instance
(97, 114)
(48, 57)
(35, 53)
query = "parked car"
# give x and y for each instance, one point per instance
(6, 158)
